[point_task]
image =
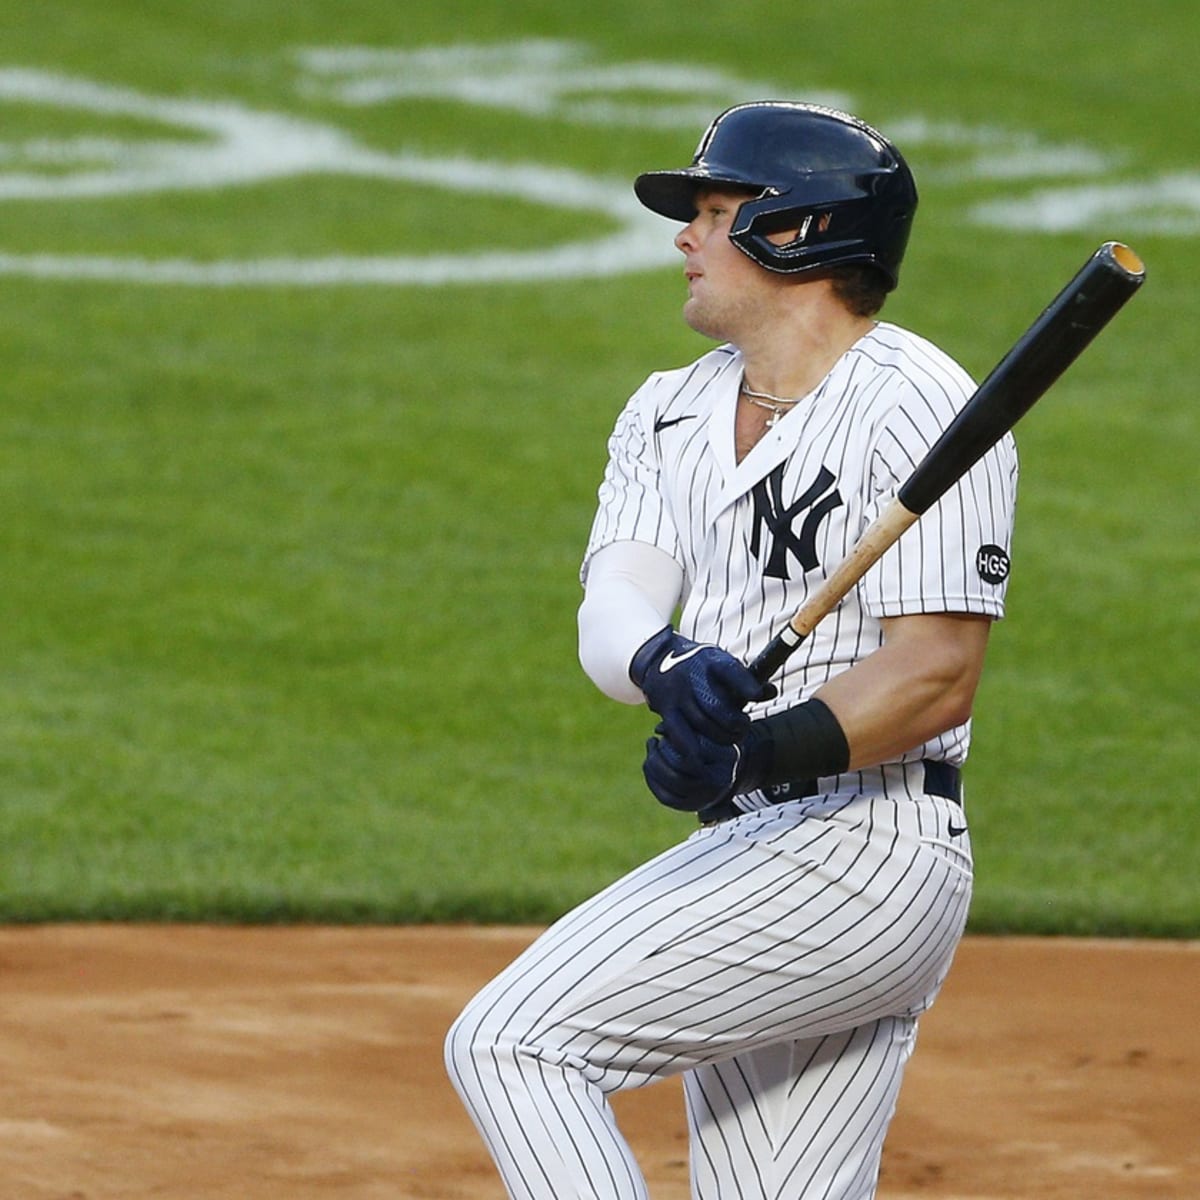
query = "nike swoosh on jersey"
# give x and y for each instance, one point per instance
(661, 423)
(956, 830)
(671, 659)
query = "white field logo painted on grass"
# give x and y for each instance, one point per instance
(219, 145)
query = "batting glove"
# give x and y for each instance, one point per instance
(690, 773)
(697, 685)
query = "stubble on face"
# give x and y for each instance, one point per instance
(730, 297)
(733, 304)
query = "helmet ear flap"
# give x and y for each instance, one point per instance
(792, 227)
(821, 235)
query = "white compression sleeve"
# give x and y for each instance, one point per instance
(630, 593)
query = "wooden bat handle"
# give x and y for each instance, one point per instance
(866, 552)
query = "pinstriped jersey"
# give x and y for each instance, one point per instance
(755, 538)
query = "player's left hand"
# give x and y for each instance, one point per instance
(689, 772)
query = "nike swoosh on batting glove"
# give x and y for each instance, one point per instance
(700, 684)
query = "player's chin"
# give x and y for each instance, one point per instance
(700, 317)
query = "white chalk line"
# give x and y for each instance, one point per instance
(230, 145)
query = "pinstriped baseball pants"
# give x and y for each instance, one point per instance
(780, 961)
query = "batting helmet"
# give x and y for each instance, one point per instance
(840, 183)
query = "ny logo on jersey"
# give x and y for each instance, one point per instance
(770, 515)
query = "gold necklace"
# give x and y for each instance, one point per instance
(776, 405)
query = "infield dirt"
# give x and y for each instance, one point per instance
(218, 1063)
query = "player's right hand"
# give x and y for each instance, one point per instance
(697, 684)
(691, 773)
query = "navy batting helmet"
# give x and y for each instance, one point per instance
(840, 183)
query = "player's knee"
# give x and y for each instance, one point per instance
(484, 1051)
(460, 1048)
(474, 1049)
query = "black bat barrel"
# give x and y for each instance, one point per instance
(1036, 360)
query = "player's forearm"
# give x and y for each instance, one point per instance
(920, 683)
(630, 594)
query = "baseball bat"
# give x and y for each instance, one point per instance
(1042, 353)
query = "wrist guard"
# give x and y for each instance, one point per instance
(804, 742)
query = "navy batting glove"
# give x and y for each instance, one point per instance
(690, 773)
(697, 684)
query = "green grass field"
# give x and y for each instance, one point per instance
(292, 522)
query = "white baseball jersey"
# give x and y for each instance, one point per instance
(755, 538)
(780, 960)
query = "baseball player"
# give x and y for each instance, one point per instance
(779, 956)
